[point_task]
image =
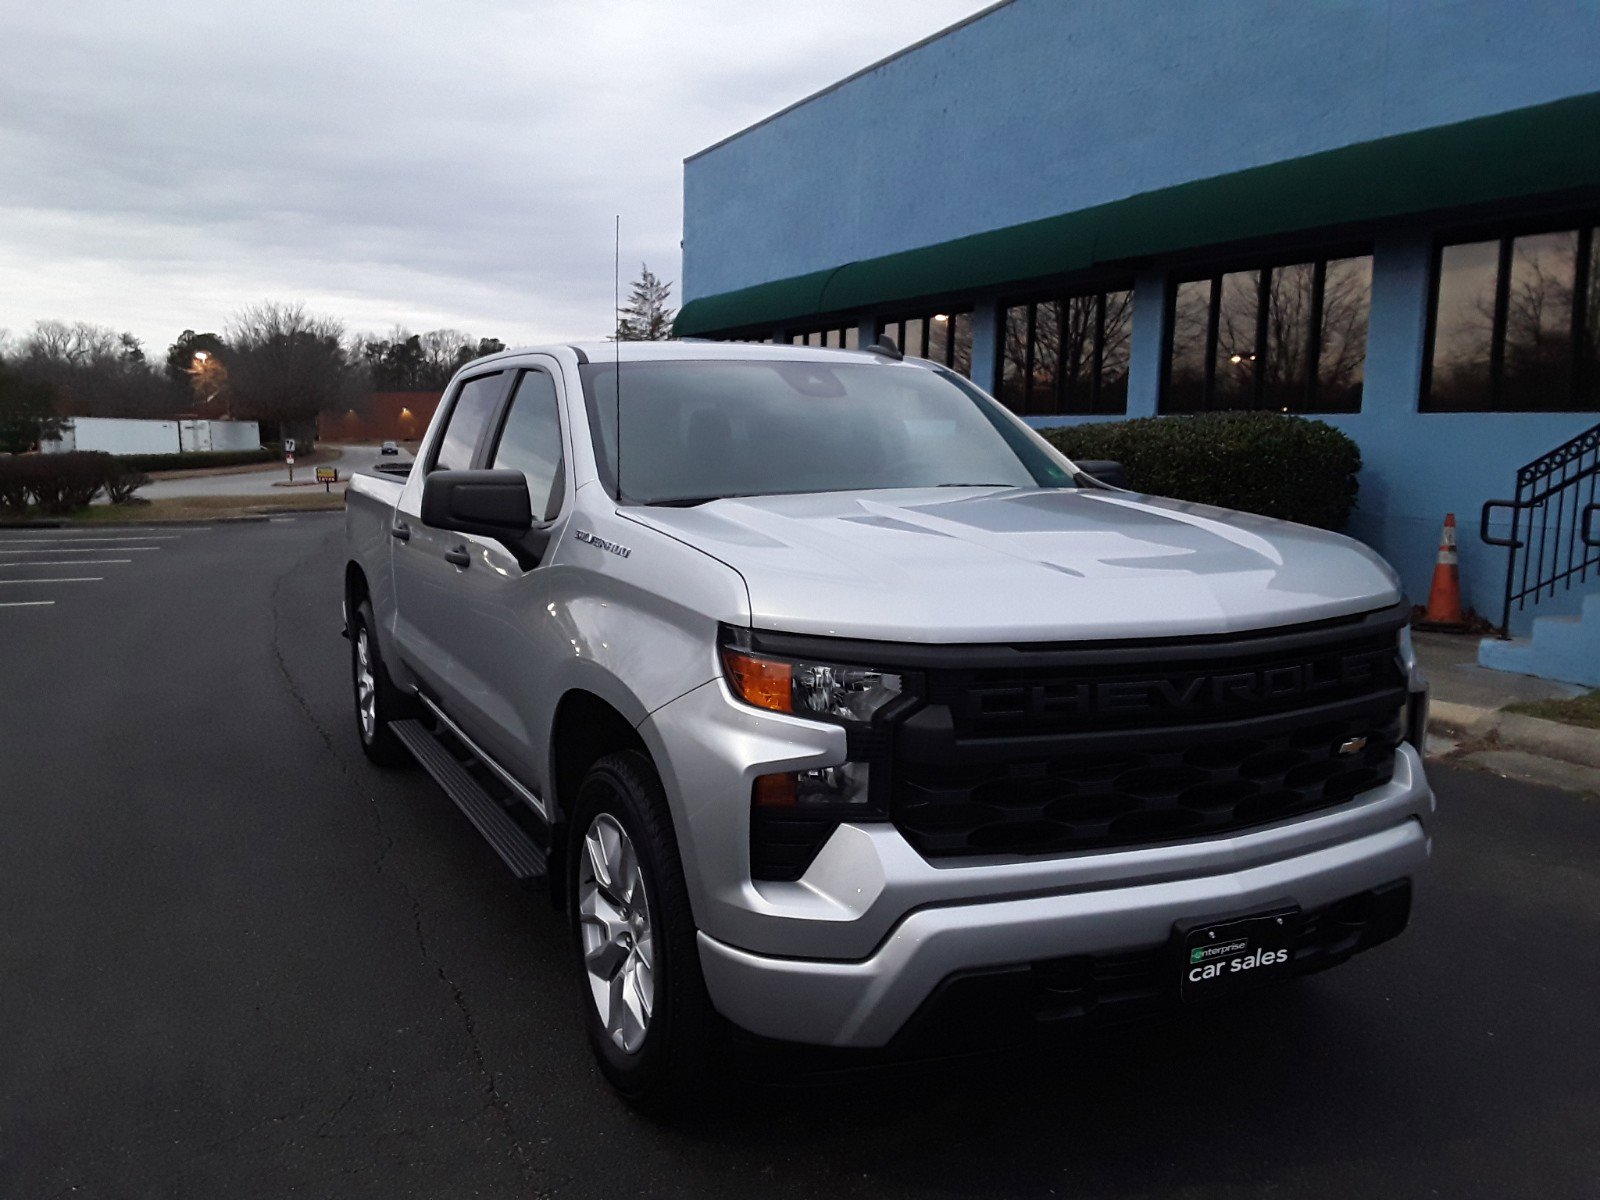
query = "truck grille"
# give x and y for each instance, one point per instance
(1120, 748)
(1191, 786)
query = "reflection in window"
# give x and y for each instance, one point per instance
(1514, 325)
(1539, 350)
(1235, 374)
(1286, 369)
(1188, 381)
(1463, 330)
(836, 337)
(530, 441)
(1068, 355)
(1341, 351)
(944, 337)
(1283, 339)
(468, 418)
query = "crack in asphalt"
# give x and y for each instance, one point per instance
(494, 1100)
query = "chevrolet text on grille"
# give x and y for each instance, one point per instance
(1262, 686)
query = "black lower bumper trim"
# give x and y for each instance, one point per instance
(1019, 1003)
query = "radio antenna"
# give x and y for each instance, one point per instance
(616, 340)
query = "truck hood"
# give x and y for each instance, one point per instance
(1024, 564)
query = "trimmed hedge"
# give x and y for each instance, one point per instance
(193, 460)
(1278, 466)
(62, 483)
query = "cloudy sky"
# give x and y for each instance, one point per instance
(437, 163)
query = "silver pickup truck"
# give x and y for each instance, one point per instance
(833, 705)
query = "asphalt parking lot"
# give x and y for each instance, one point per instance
(237, 961)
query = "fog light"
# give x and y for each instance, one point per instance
(844, 788)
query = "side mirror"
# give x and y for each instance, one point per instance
(489, 503)
(1104, 471)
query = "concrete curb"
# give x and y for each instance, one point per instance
(1552, 739)
(171, 521)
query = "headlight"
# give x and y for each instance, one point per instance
(809, 689)
(794, 813)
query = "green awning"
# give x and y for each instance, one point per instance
(1530, 151)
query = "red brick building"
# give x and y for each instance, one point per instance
(387, 416)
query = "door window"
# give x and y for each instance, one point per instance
(469, 417)
(530, 441)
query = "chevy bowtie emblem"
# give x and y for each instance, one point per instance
(1354, 746)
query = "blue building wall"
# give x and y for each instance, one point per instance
(1048, 106)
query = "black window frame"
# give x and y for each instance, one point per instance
(1585, 223)
(1213, 272)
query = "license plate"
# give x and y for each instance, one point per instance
(1230, 956)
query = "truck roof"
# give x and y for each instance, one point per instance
(686, 349)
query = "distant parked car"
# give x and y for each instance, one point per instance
(389, 448)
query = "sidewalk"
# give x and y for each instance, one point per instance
(1466, 721)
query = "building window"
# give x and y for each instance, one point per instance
(1282, 339)
(1068, 356)
(1516, 324)
(838, 337)
(945, 337)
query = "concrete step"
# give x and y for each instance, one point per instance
(1566, 648)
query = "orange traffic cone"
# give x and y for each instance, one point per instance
(1444, 600)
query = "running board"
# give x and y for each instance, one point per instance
(510, 841)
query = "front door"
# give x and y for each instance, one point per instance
(430, 584)
(494, 627)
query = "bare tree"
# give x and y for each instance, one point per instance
(287, 365)
(441, 354)
(93, 370)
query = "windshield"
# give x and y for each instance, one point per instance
(701, 430)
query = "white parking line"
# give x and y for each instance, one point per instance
(25, 603)
(81, 562)
(154, 537)
(67, 579)
(90, 550)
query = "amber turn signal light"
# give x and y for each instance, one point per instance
(762, 682)
(775, 791)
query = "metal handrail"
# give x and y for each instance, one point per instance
(1547, 559)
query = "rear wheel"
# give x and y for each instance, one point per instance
(377, 700)
(649, 1021)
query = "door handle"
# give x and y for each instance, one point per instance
(459, 556)
(401, 531)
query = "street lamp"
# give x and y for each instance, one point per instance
(201, 370)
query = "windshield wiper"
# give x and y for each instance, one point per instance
(1004, 485)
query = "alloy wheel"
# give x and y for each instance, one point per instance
(366, 686)
(614, 925)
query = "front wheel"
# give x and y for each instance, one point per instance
(649, 1021)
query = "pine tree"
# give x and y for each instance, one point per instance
(646, 317)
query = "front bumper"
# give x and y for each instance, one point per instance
(865, 1003)
(847, 953)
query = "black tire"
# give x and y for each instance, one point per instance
(666, 1073)
(389, 704)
